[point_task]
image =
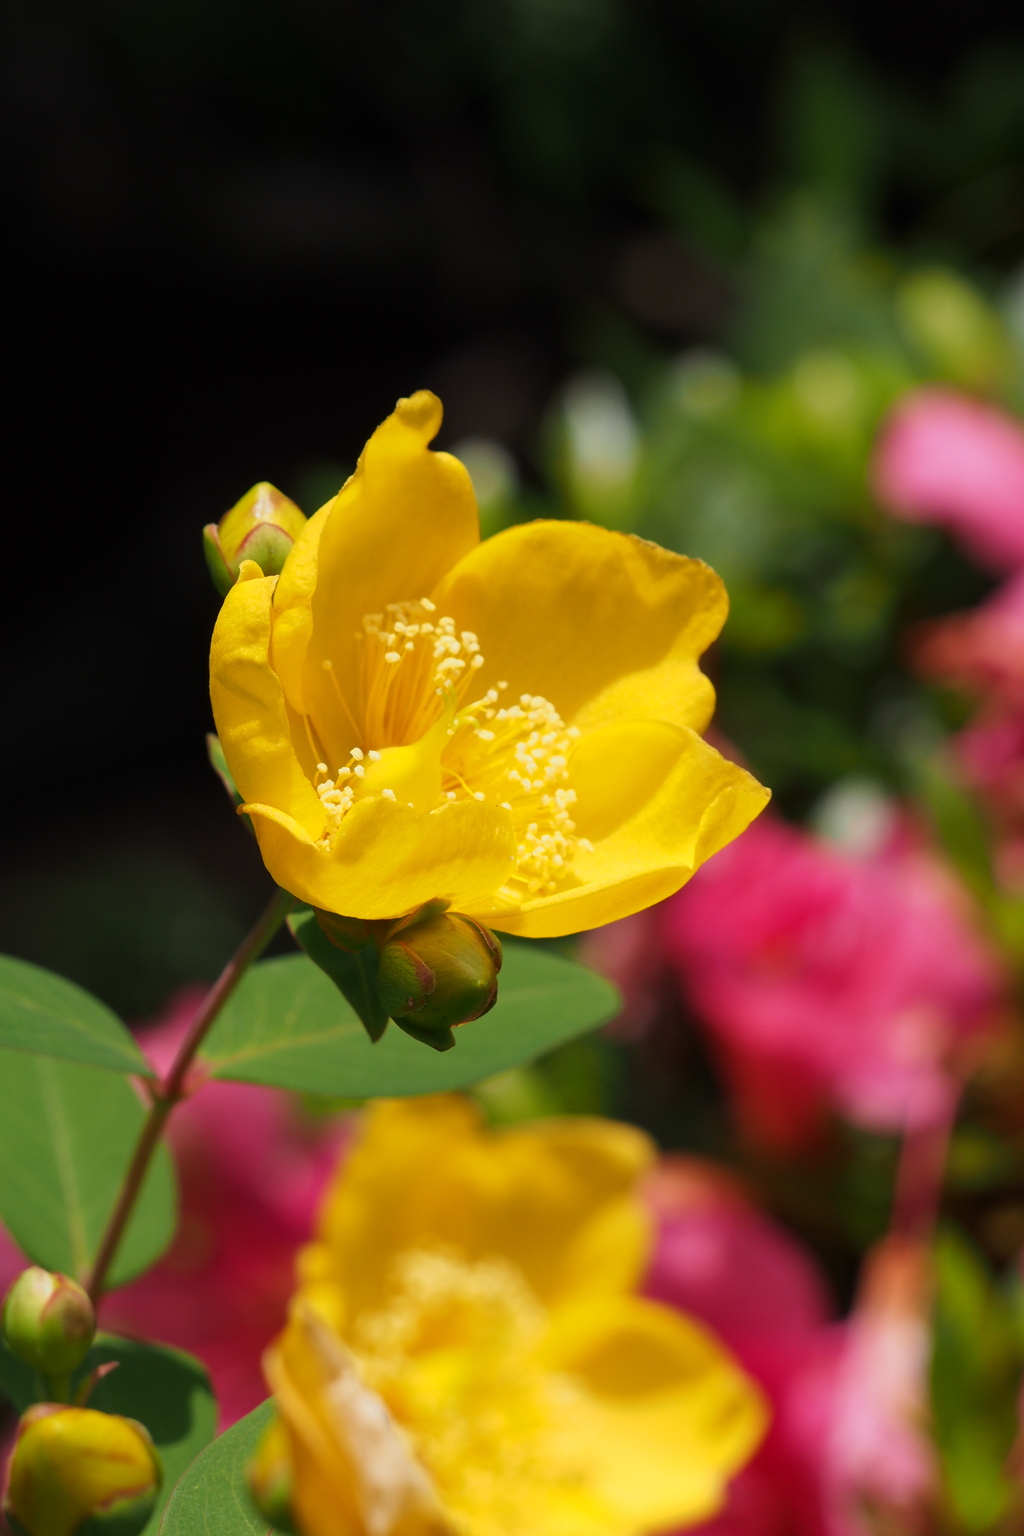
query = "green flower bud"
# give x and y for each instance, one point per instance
(263, 526)
(77, 1472)
(270, 1477)
(438, 973)
(48, 1321)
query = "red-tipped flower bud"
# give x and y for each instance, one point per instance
(270, 1477)
(48, 1321)
(440, 972)
(76, 1472)
(263, 526)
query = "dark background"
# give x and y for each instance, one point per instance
(237, 230)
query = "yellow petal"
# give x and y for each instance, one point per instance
(405, 517)
(603, 625)
(292, 615)
(355, 1474)
(656, 801)
(387, 858)
(378, 1204)
(557, 1199)
(666, 1416)
(249, 707)
(554, 1198)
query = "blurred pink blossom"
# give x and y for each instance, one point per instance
(252, 1169)
(831, 981)
(631, 953)
(944, 458)
(982, 652)
(847, 1398)
(878, 1445)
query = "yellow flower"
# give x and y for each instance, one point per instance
(511, 726)
(465, 1356)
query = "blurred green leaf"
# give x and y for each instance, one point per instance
(975, 1368)
(960, 826)
(212, 1496)
(287, 1025)
(40, 1011)
(165, 1389)
(355, 975)
(961, 338)
(19, 1383)
(67, 1133)
(219, 764)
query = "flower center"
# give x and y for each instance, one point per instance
(428, 745)
(453, 1353)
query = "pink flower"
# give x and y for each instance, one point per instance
(252, 1169)
(847, 1398)
(12, 1262)
(631, 953)
(878, 1446)
(831, 981)
(982, 652)
(944, 458)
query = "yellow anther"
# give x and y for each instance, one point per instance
(410, 697)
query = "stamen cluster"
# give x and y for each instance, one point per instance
(408, 657)
(490, 1427)
(518, 755)
(414, 667)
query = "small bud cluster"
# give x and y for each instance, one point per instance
(262, 526)
(439, 972)
(73, 1471)
(48, 1321)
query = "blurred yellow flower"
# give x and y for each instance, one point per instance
(465, 1356)
(511, 726)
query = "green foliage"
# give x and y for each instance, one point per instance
(354, 975)
(44, 1013)
(287, 1026)
(166, 1389)
(67, 1133)
(212, 1496)
(958, 823)
(755, 457)
(219, 764)
(975, 1370)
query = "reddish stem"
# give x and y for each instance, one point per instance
(919, 1177)
(170, 1091)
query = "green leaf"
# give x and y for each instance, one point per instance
(355, 975)
(67, 1133)
(287, 1026)
(19, 1383)
(212, 1499)
(42, 1012)
(976, 1360)
(165, 1389)
(219, 764)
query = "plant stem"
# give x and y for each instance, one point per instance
(920, 1173)
(58, 1388)
(170, 1091)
